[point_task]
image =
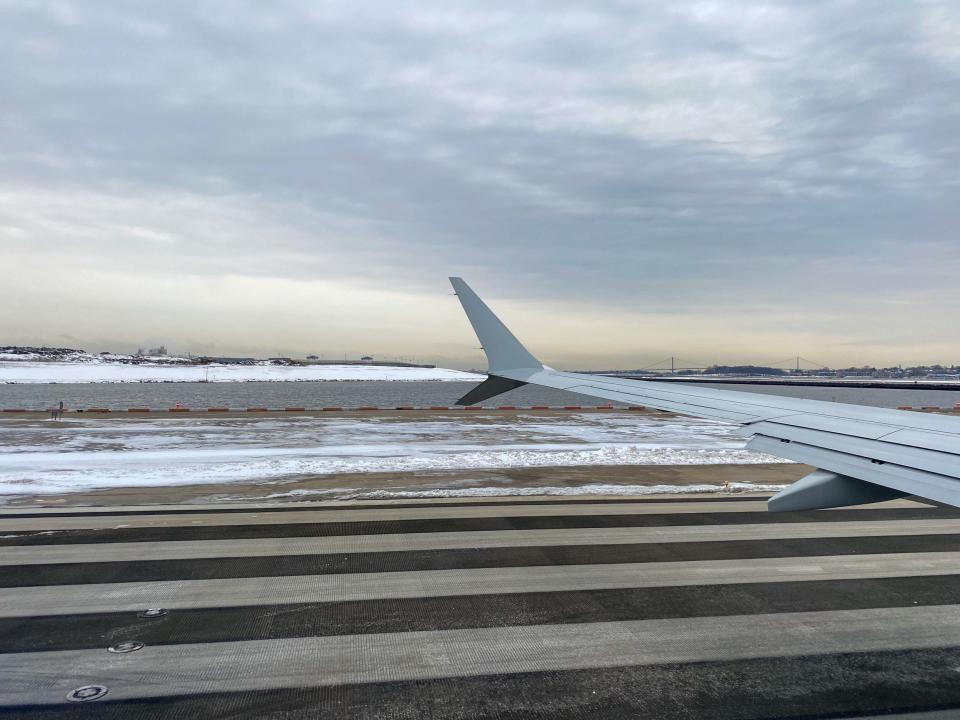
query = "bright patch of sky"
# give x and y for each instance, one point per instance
(721, 181)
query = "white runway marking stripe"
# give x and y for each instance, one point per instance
(53, 511)
(157, 671)
(417, 542)
(134, 596)
(390, 514)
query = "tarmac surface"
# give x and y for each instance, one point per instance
(541, 607)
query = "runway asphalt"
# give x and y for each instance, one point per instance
(706, 607)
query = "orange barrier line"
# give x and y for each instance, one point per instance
(374, 408)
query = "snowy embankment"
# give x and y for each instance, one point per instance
(81, 454)
(106, 372)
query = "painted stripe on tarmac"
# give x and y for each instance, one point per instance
(838, 685)
(266, 622)
(199, 532)
(444, 501)
(44, 678)
(118, 597)
(934, 715)
(330, 564)
(416, 542)
(94, 522)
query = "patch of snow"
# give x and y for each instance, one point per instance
(48, 355)
(586, 489)
(99, 371)
(117, 453)
(44, 532)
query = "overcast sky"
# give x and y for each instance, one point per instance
(622, 181)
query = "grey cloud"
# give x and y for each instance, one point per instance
(654, 155)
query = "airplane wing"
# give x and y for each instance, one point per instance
(863, 454)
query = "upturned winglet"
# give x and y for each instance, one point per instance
(504, 352)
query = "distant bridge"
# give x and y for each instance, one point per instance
(675, 364)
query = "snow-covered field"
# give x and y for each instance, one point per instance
(77, 454)
(107, 372)
(80, 356)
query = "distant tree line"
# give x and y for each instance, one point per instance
(27, 350)
(743, 370)
(152, 352)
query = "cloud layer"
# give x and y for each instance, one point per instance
(719, 180)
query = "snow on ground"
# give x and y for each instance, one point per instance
(105, 372)
(587, 489)
(81, 356)
(79, 454)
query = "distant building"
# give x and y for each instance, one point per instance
(312, 357)
(366, 358)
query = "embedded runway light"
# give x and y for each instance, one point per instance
(87, 693)
(128, 646)
(152, 613)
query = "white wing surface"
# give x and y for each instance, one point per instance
(863, 454)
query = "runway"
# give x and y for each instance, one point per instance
(511, 608)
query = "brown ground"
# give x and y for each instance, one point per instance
(779, 474)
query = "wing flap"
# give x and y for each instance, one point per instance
(941, 463)
(944, 442)
(934, 486)
(837, 425)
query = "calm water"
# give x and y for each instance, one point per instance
(878, 397)
(265, 394)
(384, 394)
